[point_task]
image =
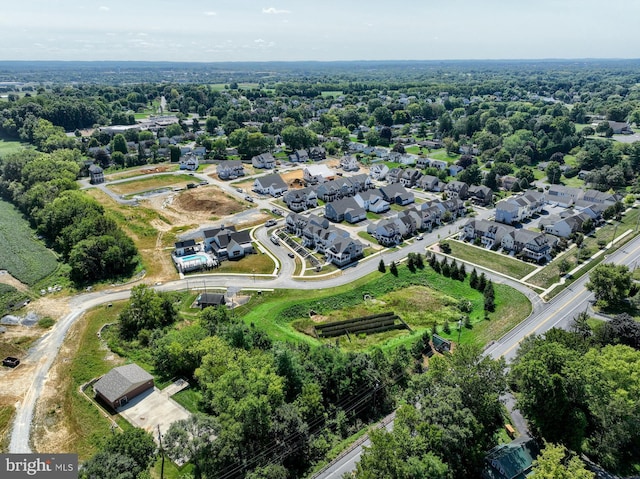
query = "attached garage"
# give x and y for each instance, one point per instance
(122, 384)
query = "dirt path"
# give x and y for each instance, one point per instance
(6, 278)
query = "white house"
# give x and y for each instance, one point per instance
(272, 185)
(314, 174)
(230, 170)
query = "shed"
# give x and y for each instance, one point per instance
(210, 299)
(122, 384)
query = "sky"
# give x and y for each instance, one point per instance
(324, 30)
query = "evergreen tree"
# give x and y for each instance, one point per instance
(482, 282)
(446, 327)
(473, 279)
(445, 269)
(393, 268)
(419, 261)
(453, 270)
(489, 297)
(462, 273)
(381, 267)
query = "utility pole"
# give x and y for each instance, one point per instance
(614, 234)
(161, 453)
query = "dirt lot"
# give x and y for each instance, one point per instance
(6, 278)
(198, 205)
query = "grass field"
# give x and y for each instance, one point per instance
(254, 263)
(276, 312)
(495, 261)
(444, 156)
(6, 415)
(150, 183)
(10, 146)
(24, 257)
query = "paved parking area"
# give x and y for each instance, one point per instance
(155, 408)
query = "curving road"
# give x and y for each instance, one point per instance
(556, 313)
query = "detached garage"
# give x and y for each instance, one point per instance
(122, 384)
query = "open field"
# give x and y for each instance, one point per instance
(151, 183)
(444, 156)
(277, 313)
(10, 146)
(24, 257)
(139, 170)
(251, 264)
(6, 415)
(488, 259)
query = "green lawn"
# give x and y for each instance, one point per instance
(6, 416)
(277, 312)
(258, 263)
(488, 259)
(442, 154)
(21, 254)
(10, 146)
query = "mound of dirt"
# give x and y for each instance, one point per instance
(207, 200)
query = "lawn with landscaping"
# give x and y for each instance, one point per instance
(488, 259)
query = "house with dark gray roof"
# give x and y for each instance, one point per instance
(397, 194)
(511, 461)
(206, 300)
(301, 199)
(96, 174)
(227, 243)
(346, 209)
(230, 169)
(272, 185)
(186, 247)
(264, 160)
(122, 384)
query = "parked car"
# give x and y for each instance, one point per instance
(191, 185)
(275, 240)
(291, 255)
(10, 362)
(239, 190)
(419, 237)
(248, 198)
(270, 223)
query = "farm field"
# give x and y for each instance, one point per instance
(25, 258)
(10, 146)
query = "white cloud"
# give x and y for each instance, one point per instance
(210, 13)
(274, 11)
(259, 40)
(104, 9)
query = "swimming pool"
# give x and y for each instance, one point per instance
(195, 257)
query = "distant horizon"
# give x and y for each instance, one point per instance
(204, 31)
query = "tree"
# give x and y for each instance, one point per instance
(381, 267)
(383, 116)
(610, 283)
(125, 455)
(120, 144)
(553, 172)
(146, 309)
(174, 153)
(489, 297)
(473, 279)
(491, 180)
(297, 137)
(393, 268)
(526, 173)
(622, 329)
(554, 462)
(192, 439)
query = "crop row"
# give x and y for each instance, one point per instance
(370, 330)
(355, 320)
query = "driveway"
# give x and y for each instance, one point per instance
(154, 408)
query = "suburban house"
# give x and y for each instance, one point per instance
(264, 160)
(314, 174)
(563, 195)
(386, 231)
(230, 169)
(564, 226)
(96, 175)
(227, 243)
(349, 163)
(410, 177)
(601, 197)
(344, 251)
(397, 194)
(620, 128)
(429, 183)
(455, 169)
(519, 207)
(122, 384)
(378, 171)
(210, 300)
(481, 195)
(511, 461)
(394, 175)
(530, 244)
(372, 200)
(402, 158)
(438, 164)
(299, 156)
(423, 162)
(200, 151)
(183, 248)
(345, 209)
(489, 233)
(508, 182)
(320, 235)
(317, 153)
(272, 185)
(301, 199)
(189, 162)
(457, 189)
